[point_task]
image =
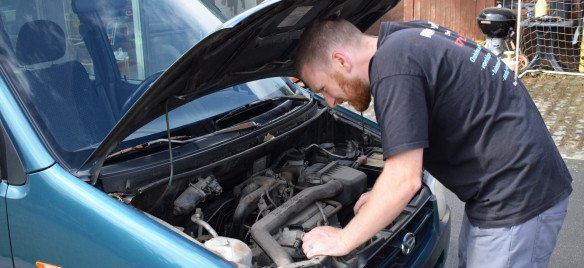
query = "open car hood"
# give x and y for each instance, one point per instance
(258, 43)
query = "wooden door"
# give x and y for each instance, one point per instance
(458, 15)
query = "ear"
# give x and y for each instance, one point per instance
(342, 61)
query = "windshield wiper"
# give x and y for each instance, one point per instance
(238, 127)
(182, 139)
(150, 144)
(256, 104)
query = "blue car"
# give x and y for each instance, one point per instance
(148, 133)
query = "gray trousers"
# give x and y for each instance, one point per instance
(529, 244)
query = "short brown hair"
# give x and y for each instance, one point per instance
(317, 41)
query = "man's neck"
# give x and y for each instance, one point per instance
(368, 49)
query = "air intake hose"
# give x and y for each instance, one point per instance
(261, 230)
(248, 202)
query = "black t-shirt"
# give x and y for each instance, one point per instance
(483, 136)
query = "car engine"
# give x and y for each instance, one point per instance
(252, 200)
(260, 221)
(305, 188)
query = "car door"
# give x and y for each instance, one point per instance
(11, 172)
(5, 251)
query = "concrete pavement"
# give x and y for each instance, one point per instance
(560, 100)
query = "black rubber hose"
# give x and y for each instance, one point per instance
(249, 202)
(261, 231)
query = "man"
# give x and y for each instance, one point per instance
(446, 104)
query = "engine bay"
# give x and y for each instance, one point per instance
(253, 207)
(260, 221)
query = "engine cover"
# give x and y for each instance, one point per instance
(354, 181)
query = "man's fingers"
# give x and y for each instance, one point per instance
(306, 242)
(309, 251)
(313, 250)
(310, 242)
(323, 240)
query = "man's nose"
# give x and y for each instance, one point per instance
(330, 100)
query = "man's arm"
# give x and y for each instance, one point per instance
(398, 183)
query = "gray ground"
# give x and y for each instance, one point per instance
(560, 100)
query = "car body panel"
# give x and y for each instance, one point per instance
(34, 154)
(431, 252)
(51, 198)
(5, 249)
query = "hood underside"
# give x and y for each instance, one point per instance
(257, 44)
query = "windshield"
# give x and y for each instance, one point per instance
(214, 104)
(78, 65)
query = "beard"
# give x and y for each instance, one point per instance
(358, 91)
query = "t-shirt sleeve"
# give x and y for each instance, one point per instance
(402, 113)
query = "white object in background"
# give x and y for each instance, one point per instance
(576, 35)
(231, 249)
(508, 59)
(541, 8)
(121, 54)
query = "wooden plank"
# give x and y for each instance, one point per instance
(446, 11)
(417, 9)
(420, 11)
(469, 11)
(429, 6)
(456, 20)
(432, 11)
(469, 17)
(429, 9)
(449, 13)
(408, 10)
(423, 10)
(459, 15)
(440, 12)
(395, 14)
(462, 18)
(454, 13)
(480, 4)
(438, 17)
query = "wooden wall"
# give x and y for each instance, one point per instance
(458, 15)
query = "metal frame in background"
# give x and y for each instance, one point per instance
(518, 47)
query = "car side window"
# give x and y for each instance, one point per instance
(15, 14)
(147, 40)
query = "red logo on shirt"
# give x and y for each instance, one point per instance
(460, 41)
